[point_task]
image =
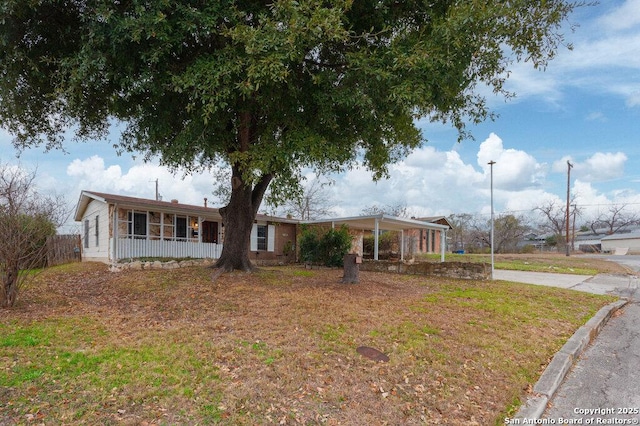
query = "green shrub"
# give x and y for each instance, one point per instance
(309, 243)
(326, 248)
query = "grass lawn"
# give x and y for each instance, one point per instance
(85, 346)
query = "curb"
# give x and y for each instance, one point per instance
(556, 371)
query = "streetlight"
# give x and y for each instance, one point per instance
(491, 163)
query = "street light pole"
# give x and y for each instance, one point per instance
(569, 166)
(491, 163)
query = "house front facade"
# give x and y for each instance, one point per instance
(116, 227)
(622, 243)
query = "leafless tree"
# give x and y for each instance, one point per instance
(615, 219)
(554, 219)
(314, 203)
(461, 232)
(27, 218)
(397, 210)
(508, 231)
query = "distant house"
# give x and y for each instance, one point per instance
(621, 243)
(116, 227)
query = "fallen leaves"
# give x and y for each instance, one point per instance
(246, 350)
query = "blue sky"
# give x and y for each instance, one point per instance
(585, 107)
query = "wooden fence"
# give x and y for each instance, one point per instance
(63, 249)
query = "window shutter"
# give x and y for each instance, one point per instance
(97, 231)
(86, 233)
(254, 238)
(271, 234)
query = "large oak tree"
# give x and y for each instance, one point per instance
(267, 87)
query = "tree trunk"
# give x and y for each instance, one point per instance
(9, 286)
(237, 218)
(351, 269)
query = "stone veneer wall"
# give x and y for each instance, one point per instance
(137, 265)
(464, 270)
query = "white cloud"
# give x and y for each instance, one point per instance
(625, 17)
(514, 169)
(633, 99)
(600, 167)
(139, 181)
(596, 116)
(604, 59)
(527, 200)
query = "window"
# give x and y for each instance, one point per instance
(262, 237)
(137, 225)
(97, 231)
(86, 233)
(154, 225)
(433, 241)
(181, 227)
(168, 226)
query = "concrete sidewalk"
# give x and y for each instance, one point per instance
(618, 285)
(541, 278)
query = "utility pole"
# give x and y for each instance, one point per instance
(157, 193)
(573, 231)
(569, 166)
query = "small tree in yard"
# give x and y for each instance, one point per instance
(269, 88)
(26, 220)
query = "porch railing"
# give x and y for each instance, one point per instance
(128, 248)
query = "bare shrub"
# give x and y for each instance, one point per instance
(27, 218)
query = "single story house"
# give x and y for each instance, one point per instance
(116, 227)
(621, 243)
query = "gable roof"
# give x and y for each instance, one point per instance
(166, 206)
(87, 196)
(442, 220)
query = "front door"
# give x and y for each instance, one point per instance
(209, 232)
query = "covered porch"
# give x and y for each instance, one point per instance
(383, 222)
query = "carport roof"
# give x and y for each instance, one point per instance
(385, 222)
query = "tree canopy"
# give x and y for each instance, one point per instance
(267, 87)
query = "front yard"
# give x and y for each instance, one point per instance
(85, 346)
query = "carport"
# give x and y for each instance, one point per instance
(384, 222)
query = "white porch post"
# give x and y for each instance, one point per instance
(443, 243)
(375, 240)
(114, 237)
(402, 244)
